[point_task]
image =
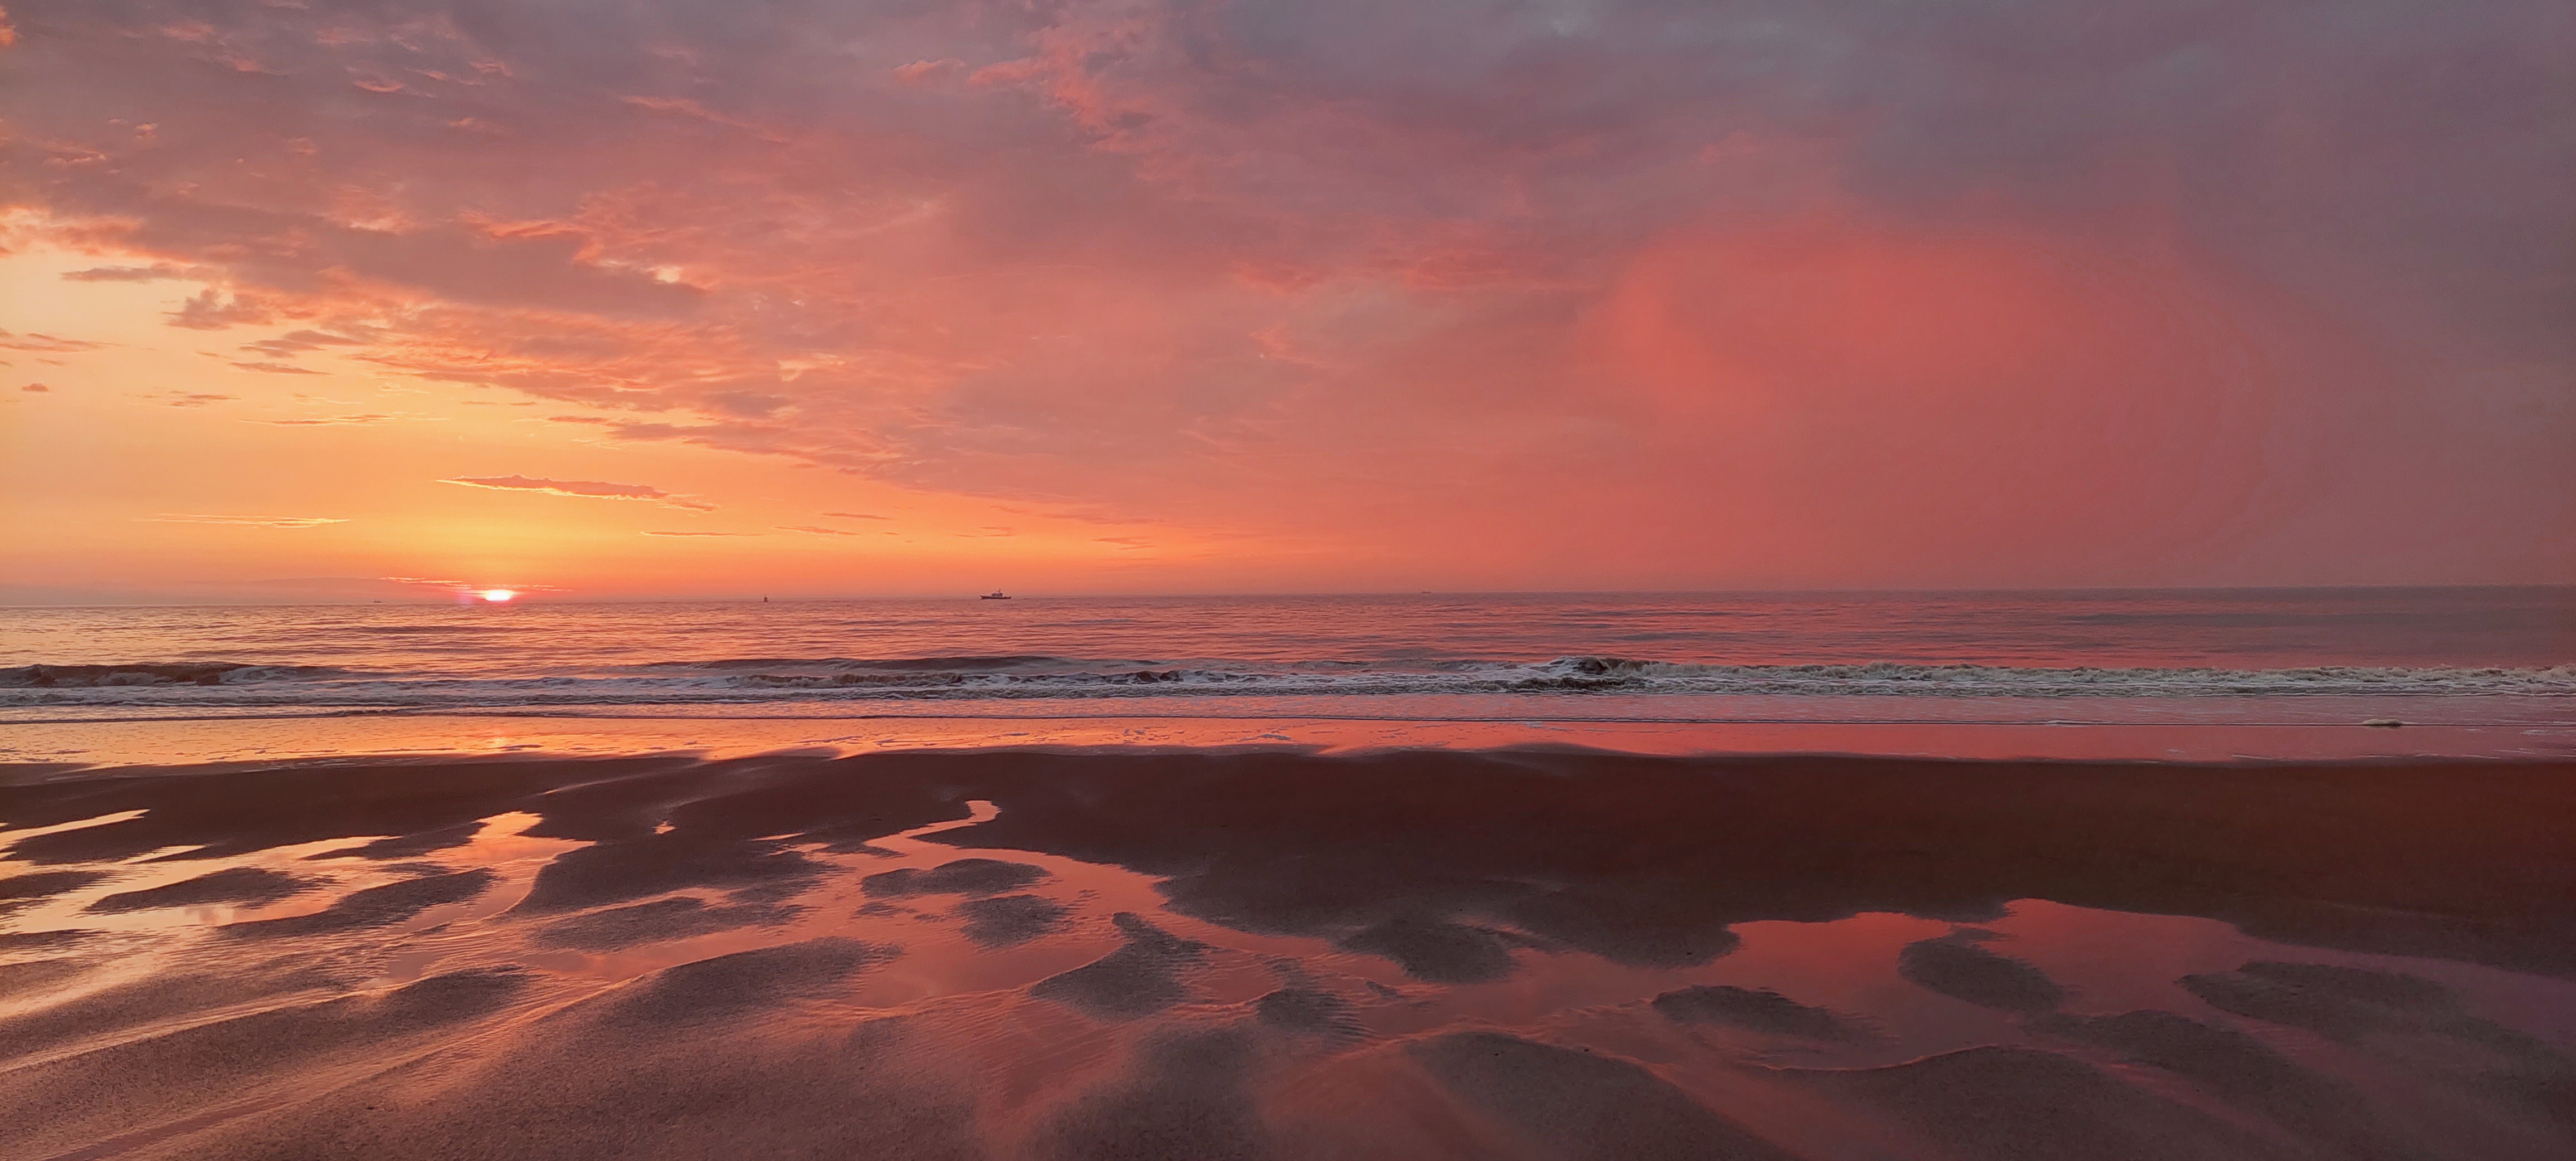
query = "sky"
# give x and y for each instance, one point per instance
(607, 299)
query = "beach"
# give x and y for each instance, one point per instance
(1239, 952)
(1241, 579)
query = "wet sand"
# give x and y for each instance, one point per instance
(1265, 954)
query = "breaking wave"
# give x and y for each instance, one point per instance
(157, 674)
(1014, 677)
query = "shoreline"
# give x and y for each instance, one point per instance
(374, 735)
(16, 773)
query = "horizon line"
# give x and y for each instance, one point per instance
(528, 598)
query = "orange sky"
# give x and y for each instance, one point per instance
(639, 298)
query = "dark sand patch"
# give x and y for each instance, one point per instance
(1757, 1011)
(65, 1102)
(1187, 1095)
(1647, 926)
(39, 885)
(1309, 1010)
(1138, 979)
(608, 1091)
(1437, 950)
(129, 1005)
(746, 981)
(30, 975)
(2018, 1104)
(245, 885)
(615, 872)
(2414, 1022)
(42, 940)
(957, 877)
(657, 921)
(2320, 1109)
(2339, 1002)
(1582, 1104)
(838, 802)
(410, 846)
(1956, 967)
(1010, 919)
(774, 891)
(372, 907)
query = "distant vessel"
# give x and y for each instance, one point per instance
(997, 595)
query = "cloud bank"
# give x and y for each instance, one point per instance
(1651, 293)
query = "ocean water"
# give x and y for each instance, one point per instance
(2494, 667)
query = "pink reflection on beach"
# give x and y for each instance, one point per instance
(1036, 982)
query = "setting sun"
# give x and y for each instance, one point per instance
(496, 596)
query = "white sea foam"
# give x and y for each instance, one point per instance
(2345, 655)
(844, 680)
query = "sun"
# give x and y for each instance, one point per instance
(496, 596)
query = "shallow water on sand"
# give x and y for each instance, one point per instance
(1201, 956)
(72, 745)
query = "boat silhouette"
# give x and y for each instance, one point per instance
(997, 595)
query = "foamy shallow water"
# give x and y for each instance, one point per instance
(2179, 737)
(1383, 652)
(2201, 675)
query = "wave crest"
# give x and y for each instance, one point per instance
(229, 684)
(157, 674)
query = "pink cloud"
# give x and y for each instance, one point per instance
(47, 343)
(1648, 293)
(156, 271)
(921, 71)
(688, 108)
(332, 421)
(251, 521)
(589, 488)
(213, 310)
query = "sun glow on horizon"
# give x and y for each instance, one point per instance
(498, 596)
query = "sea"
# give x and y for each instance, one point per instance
(2195, 675)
